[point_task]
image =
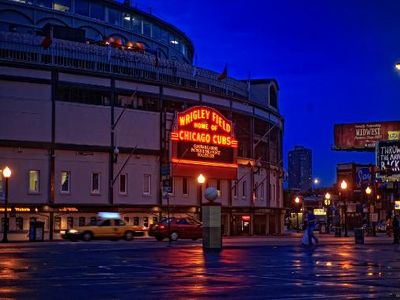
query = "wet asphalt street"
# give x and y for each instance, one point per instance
(246, 268)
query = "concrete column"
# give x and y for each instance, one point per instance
(212, 236)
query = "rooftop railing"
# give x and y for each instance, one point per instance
(17, 47)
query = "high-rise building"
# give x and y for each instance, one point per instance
(300, 169)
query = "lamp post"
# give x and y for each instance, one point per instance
(200, 180)
(327, 202)
(368, 192)
(297, 201)
(343, 188)
(6, 175)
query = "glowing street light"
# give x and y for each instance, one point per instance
(297, 201)
(6, 174)
(316, 181)
(200, 179)
(397, 66)
(343, 187)
(368, 190)
(327, 200)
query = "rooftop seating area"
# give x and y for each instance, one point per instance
(105, 59)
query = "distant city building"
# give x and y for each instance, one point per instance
(300, 166)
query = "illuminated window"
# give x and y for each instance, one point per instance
(19, 223)
(146, 184)
(126, 20)
(57, 223)
(82, 7)
(65, 182)
(123, 184)
(62, 5)
(185, 186)
(70, 222)
(82, 221)
(95, 183)
(34, 178)
(136, 221)
(244, 189)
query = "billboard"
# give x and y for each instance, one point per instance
(364, 136)
(388, 156)
(203, 141)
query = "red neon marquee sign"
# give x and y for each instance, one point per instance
(204, 125)
(203, 137)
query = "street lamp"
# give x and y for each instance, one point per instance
(6, 175)
(200, 180)
(327, 202)
(368, 192)
(343, 187)
(397, 66)
(297, 201)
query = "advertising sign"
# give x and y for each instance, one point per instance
(388, 156)
(364, 136)
(397, 204)
(203, 141)
(363, 176)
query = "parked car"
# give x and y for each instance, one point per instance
(105, 229)
(176, 228)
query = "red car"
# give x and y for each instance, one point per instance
(176, 228)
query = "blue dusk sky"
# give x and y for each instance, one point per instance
(333, 59)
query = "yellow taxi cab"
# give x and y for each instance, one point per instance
(106, 228)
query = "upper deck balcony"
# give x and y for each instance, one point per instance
(24, 48)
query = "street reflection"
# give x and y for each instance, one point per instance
(202, 271)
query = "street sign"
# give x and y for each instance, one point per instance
(167, 185)
(165, 170)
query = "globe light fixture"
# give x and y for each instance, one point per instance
(201, 179)
(368, 190)
(343, 185)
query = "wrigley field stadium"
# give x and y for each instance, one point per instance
(103, 110)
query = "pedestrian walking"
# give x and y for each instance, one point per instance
(396, 229)
(311, 222)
